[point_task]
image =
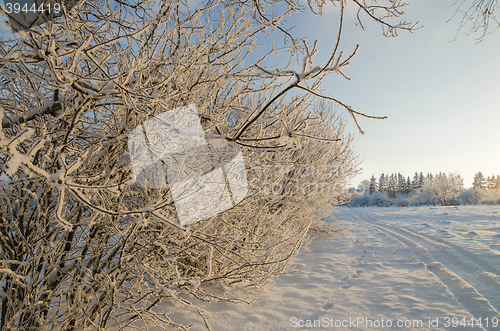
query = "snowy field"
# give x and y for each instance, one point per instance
(417, 268)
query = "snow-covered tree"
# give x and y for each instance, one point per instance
(364, 185)
(414, 182)
(383, 183)
(429, 179)
(491, 182)
(479, 181)
(373, 185)
(401, 184)
(421, 180)
(392, 186)
(83, 246)
(446, 188)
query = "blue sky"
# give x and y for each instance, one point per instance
(439, 94)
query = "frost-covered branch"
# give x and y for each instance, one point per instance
(482, 14)
(381, 14)
(52, 108)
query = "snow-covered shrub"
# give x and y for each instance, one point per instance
(480, 196)
(379, 199)
(490, 197)
(359, 199)
(413, 197)
(426, 196)
(470, 196)
(401, 200)
(83, 246)
(364, 199)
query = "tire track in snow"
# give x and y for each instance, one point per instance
(471, 266)
(471, 263)
(472, 269)
(432, 239)
(459, 275)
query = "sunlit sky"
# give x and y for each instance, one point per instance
(441, 96)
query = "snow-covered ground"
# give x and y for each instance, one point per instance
(417, 268)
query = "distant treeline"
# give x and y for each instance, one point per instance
(441, 188)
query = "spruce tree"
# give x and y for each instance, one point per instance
(421, 180)
(392, 186)
(429, 179)
(415, 182)
(491, 182)
(382, 183)
(479, 181)
(401, 184)
(373, 185)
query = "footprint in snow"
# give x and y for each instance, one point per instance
(357, 274)
(349, 284)
(328, 305)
